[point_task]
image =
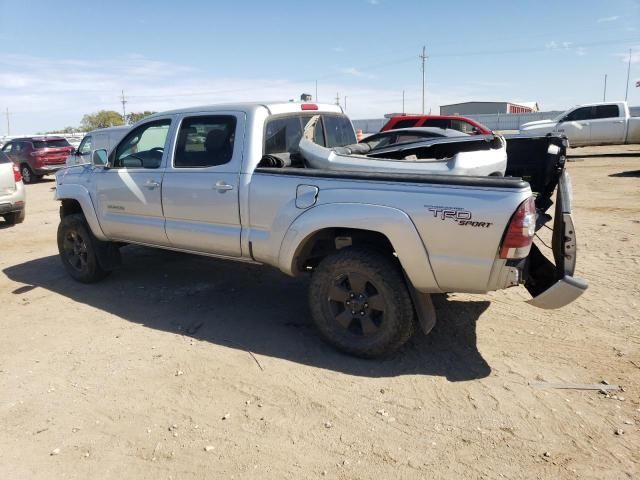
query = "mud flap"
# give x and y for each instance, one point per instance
(553, 286)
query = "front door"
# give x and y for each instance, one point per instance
(577, 126)
(129, 190)
(200, 191)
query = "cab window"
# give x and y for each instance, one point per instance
(583, 113)
(143, 147)
(205, 141)
(7, 148)
(607, 111)
(85, 146)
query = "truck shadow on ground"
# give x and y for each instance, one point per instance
(252, 308)
(628, 173)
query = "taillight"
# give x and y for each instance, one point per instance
(16, 173)
(519, 235)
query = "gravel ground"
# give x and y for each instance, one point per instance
(184, 367)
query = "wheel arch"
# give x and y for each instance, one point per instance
(76, 199)
(330, 227)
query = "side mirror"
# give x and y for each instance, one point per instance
(99, 158)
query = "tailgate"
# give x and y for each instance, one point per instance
(554, 286)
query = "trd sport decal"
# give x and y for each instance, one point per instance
(459, 215)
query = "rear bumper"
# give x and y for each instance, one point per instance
(14, 201)
(553, 285)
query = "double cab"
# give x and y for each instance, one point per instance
(377, 245)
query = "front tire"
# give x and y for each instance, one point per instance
(78, 250)
(360, 302)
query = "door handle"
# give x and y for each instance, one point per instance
(619, 121)
(223, 186)
(586, 124)
(151, 184)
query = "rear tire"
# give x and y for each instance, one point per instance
(360, 302)
(28, 176)
(14, 218)
(78, 250)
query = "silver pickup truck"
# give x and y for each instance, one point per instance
(376, 244)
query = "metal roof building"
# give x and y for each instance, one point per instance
(477, 108)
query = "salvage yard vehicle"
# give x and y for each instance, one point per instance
(38, 156)
(100, 138)
(377, 244)
(604, 123)
(12, 194)
(446, 122)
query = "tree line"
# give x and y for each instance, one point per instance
(104, 119)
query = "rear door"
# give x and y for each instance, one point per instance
(200, 191)
(129, 202)
(608, 125)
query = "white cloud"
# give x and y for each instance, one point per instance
(552, 44)
(581, 51)
(338, 49)
(373, 2)
(612, 18)
(635, 55)
(44, 94)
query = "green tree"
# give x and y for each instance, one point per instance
(134, 117)
(101, 119)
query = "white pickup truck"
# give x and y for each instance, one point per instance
(605, 123)
(376, 244)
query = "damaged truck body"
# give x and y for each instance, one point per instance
(254, 183)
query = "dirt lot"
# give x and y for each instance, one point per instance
(116, 380)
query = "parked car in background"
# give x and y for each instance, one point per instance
(38, 156)
(453, 122)
(12, 194)
(604, 123)
(101, 138)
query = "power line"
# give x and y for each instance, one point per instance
(8, 123)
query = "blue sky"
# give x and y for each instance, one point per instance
(62, 59)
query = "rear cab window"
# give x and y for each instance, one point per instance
(405, 124)
(283, 132)
(205, 141)
(607, 111)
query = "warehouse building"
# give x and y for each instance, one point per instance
(478, 108)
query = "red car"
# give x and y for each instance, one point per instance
(462, 124)
(38, 156)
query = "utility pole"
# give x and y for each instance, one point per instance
(626, 95)
(345, 103)
(604, 95)
(8, 124)
(124, 111)
(316, 97)
(403, 101)
(337, 99)
(424, 58)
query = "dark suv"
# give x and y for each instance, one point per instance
(38, 156)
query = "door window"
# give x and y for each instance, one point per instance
(436, 122)
(405, 124)
(8, 148)
(583, 113)
(463, 126)
(85, 146)
(607, 111)
(205, 141)
(143, 147)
